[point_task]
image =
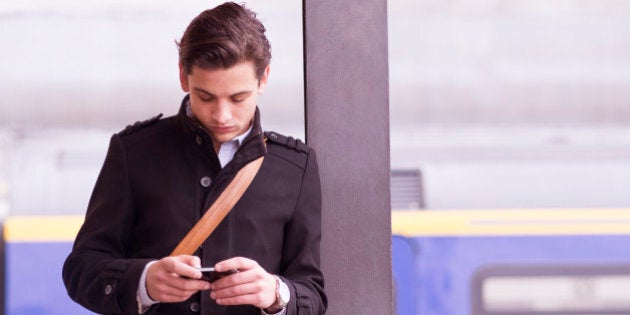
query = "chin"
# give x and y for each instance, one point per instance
(224, 138)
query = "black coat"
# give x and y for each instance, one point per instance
(151, 191)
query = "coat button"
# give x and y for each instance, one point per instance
(108, 289)
(273, 135)
(195, 307)
(199, 140)
(206, 181)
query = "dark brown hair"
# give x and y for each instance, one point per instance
(224, 36)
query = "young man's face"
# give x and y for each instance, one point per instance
(224, 100)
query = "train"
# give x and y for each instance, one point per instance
(452, 262)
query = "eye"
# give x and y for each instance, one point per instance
(206, 98)
(238, 99)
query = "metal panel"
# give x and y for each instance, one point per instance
(406, 189)
(347, 122)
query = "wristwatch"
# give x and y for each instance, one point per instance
(282, 293)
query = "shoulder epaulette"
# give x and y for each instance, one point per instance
(289, 142)
(139, 125)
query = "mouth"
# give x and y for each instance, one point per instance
(221, 130)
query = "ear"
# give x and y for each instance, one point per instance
(183, 78)
(262, 83)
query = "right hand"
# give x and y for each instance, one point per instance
(165, 282)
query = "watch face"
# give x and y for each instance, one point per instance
(284, 294)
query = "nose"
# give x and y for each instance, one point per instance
(222, 113)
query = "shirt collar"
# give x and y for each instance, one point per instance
(239, 139)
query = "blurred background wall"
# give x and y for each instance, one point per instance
(494, 104)
(74, 72)
(512, 104)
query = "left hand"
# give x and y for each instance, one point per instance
(251, 285)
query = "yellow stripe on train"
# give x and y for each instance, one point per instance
(42, 228)
(408, 223)
(511, 222)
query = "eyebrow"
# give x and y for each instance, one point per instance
(210, 94)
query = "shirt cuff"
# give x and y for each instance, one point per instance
(144, 301)
(281, 312)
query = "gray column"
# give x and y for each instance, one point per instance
(347, 122)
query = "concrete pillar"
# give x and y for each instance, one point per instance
(347, 122)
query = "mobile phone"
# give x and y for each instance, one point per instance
(211, 275)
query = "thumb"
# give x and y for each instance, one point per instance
(192, 261)
(196, 262)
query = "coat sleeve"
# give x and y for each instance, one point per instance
(301, 251)
(97, 273)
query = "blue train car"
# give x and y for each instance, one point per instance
(35, 249)
(444, 262)
(512, 262)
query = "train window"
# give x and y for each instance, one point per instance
(583, 289)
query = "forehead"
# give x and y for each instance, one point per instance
(240, 77)
(245, 70)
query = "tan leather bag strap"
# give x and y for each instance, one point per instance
(218, 210)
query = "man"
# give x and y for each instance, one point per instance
(161, 175)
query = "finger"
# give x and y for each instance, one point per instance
(178, 288)
(172, 278)
(185, 268)
(237, 278)
(257, 300)
(260, 292)
(235, 263)
(190, 260)
(183, 284)
(174, 298)
(172, 264)
(233, 291)
(164, 292)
